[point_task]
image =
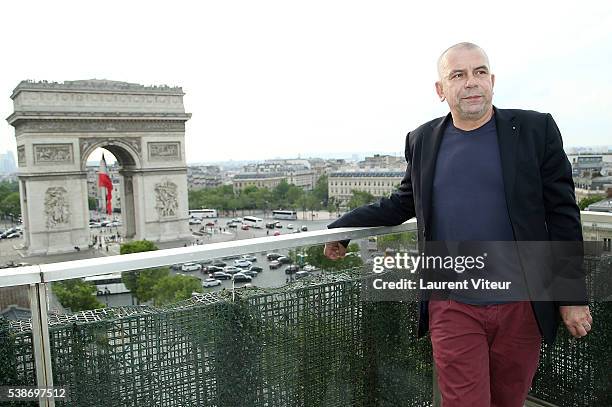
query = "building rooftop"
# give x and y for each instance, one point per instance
(364, 174)
(258, 175)
(95, 85)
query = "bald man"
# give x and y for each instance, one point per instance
(463, 183)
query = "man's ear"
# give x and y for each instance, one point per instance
(440, 91)
(492, 81)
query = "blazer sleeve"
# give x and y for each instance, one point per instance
(394, 210)
(562, 212)
(563, 220)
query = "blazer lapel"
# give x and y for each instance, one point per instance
(507, 136)
(429, 155)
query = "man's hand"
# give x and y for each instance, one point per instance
(577, 319)
(334, 250)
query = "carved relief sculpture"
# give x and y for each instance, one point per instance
(21, 158)
(53, 153)
(166, 199)
(164, 151)
(57, 207)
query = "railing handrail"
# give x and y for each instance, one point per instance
(43, 273)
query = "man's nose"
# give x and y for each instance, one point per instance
(470, 81)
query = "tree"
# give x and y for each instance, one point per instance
(316, 257)
(584, 202)
(156, 284)
(11, 205)
(133, 279)
(92, 203)
(175, 288)
(137, 246)
(77, 295)
(321, 190)
(6, 188)
(360, 198)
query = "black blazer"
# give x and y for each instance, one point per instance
(538, 187)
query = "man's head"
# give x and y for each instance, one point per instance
(465, 82)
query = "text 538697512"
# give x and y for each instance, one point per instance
(29, 393)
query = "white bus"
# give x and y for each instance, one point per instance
(253, 222)
(202, 213)
(108, 284)
(280, 214)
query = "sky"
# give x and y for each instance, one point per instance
(266, 79)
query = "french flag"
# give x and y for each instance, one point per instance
(104, 181)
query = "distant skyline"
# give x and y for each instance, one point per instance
(275, 78)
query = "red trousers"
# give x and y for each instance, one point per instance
(485, 356)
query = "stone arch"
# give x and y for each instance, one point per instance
(58, 126)
(126, 154)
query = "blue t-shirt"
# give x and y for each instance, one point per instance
(469, 204)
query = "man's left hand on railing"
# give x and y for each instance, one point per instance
(577, 319)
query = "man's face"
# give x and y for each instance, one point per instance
(466, 83)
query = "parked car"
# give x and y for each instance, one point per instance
(290, 226)
(205, 262)
(249, 272)
(195, 221)
(220, 275)
(213, 269)
(231, 269)
(301, 274)
(94, 224)
(241, 277)
(248, 257)
(176, 267)
(13, 235)
(256, 268)
(191, 267)
(291, 269)
(279, 225)
(273, 256)
(270, 225)
(219, 263)
(309, 267)
(284, 260)
(304, 228)
(274, 264)
(243, 264)
(232, 225)
(211, 282)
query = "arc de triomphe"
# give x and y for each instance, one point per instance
(57, 127)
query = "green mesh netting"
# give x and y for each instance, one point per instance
(313, 343)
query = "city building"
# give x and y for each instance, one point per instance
(7, 163)
(267, 180)
(269, 174)
(592, 172)
(204, 176)
(605, 205)
(377, 182)
(322, 167)
(387, 162)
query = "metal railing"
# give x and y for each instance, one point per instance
(38, 277)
